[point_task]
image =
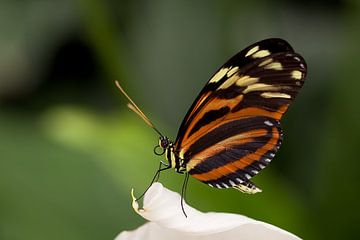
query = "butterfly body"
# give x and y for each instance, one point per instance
(232, 131)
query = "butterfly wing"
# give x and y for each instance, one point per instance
(232, 131)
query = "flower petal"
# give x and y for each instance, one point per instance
(162, 207)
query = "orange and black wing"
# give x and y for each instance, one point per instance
(232, 131)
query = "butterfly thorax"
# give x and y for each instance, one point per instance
(172, 158)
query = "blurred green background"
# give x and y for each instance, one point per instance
(70, 150)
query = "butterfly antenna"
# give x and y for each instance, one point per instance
(136, 109)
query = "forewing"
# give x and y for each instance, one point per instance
(232, 131)
(242, 59)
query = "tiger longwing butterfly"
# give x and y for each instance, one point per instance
(232, 130)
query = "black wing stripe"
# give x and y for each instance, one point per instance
(269, 104)
(234, 153)
(242, 176)
(209, 117)
(225, 131)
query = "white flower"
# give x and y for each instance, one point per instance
(167, 221)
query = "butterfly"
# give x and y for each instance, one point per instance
(232, 130)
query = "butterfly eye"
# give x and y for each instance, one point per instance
(164, 142)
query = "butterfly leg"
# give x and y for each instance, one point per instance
(157, 175)
(155, 178)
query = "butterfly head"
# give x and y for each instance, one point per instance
(164, 142)
(163, 145)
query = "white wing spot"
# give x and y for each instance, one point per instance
(247, 176)
(218, 186)
(261, 166)
(275, 66)
(302, 66)
(261, 54)
(219, 75)
(255, 172)
(275, 95)
(229, 82)
(267, 122)
(232, 71)
(272, 155)
(226, 186)
(232, 183)
(297, 59)
(239, 180)
(210, 185)
(296, 74)
(251, 51)
(246, 81)
(260, 87)
(267, 61)
(267, 160)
